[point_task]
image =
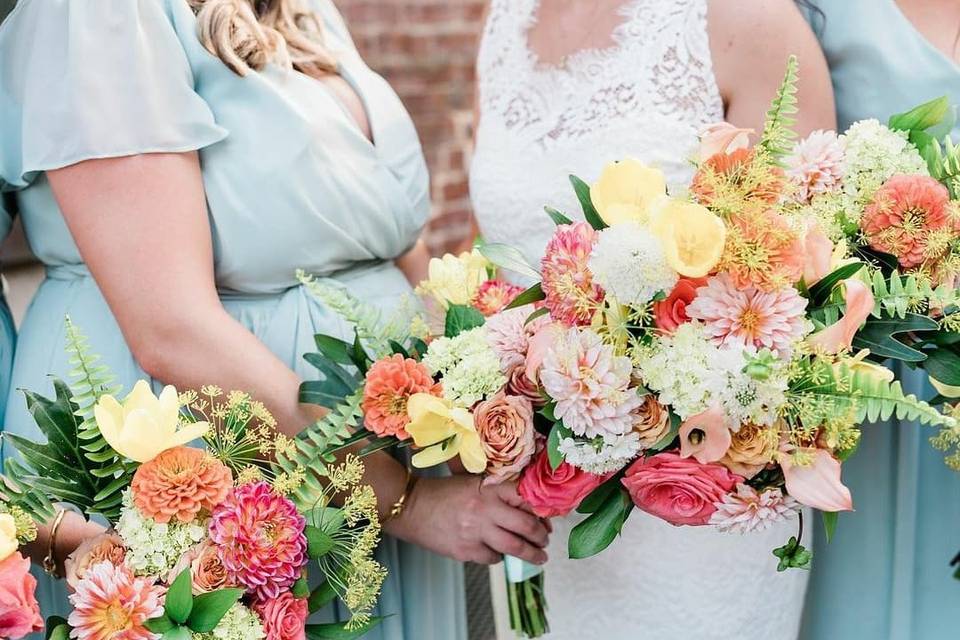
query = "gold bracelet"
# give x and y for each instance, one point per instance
(50, 561)
(401, 502)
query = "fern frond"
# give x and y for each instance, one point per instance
(899, 294)
(877, 399)
(778, 134)
(375, 331)
(943, 162)
(91, 381)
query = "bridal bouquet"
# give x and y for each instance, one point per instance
(203, 543)
(707, 357)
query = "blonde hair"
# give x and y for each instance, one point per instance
(246, 37)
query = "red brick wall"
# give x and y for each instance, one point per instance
(427, 49)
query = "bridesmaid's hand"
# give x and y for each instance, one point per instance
(459, 518)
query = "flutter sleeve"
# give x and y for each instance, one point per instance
(84, 79)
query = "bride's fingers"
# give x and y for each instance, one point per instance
(512, 545)
(508, 493)
(523, 524)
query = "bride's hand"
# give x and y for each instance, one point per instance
(459, 518)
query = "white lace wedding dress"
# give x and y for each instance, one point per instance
(647, 97)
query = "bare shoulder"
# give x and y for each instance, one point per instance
(750, 41)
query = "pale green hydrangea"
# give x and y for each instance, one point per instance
(874, 154)
(238, 623)
(153, 548)
(470, 369)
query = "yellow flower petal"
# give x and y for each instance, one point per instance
(625, 191)
(168, 406)
(139, 439)
(430, 429)
(109, 416)
(8, 536)
(187, 433)
(946, 390)
(471, 453)
(141, 397)
(692, 237)
(432, 456)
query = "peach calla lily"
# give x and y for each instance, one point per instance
(144, 425)
(818, 484)
(839, 336)
(713, 440)
(443, 431)
(723, 137)
(819, 256)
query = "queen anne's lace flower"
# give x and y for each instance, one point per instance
(469, 367)
(590, 385)
(153, 547)
(874, 154)
(629, 263)
(600, 456)
(746, 511)
(816, 164)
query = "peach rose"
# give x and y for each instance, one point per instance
(518, 384)
(206, 569)
(107, 546)
(751, 448)
(505, 425)
(678, 490)
(652, 421)
(283, 617)
(670, 313)
(19, 611)
(557, 492)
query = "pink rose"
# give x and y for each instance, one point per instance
(105, 547)
(555, 493)
(678, 490)
(19, 611)
(518, 384)
(505, 426)
(670, 313)
(283, 617)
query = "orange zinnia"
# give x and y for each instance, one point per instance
(390, 383)
(179, 484)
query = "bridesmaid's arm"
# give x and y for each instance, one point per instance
(750, 41)
(414, 263)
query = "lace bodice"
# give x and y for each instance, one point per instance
(647, 96)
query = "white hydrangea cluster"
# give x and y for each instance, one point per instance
(599, 456)
(629, 263)
(153, 548)
(690, 373)
(238, 623)
(468, 365)
(874, 154)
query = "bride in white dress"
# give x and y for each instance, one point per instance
(565, 87)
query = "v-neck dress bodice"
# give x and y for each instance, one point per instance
(291, 183)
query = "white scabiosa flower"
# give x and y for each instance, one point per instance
(600, 457)
(468, 366)
(628, 261)
(153, 548)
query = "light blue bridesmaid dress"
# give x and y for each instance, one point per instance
(8, 334)
(291, 182)
(885, 574)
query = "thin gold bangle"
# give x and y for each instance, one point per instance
(49, 561)
(401, 502)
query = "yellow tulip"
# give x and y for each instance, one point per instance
(455, 279)
(691, 235)
(144, 425)
(626, 190)
(8, 536)
(443, 431)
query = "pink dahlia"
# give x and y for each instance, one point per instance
(816, 164)
(590, 385)
(111, 604)
(508, 334)
(772, 320)
(911, 218)
(571, 295)
(259, 535)
(493, 295)
(746, 510)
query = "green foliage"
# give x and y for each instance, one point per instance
(921, 118)
(793, 555)
(897, 294)
(601, 528)
(529, 296)
(460, 318)
(943, 162)
(881, 336)
(185, 613)
(340, 631)
(557, 433)
(778, 135)
(178, 602)
(509, 258)
(557, 217)
(830, 523)
(590, 212)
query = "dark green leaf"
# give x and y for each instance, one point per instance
(595, 534)
(397, 348)
(509, 258)
(378, 444)
(943, 365)
(57, 628)
(542, 311)
(334, 348)
(596, 499)
(338, 630)
(830, 523)
(557, 217)
(360, 357)
(879, 336)
(300, 588)
(319, 542)
(323, 393)
(159, 625)
(332, 371)
(531, 295)
(670, 436)
(820, 292)
(209, 609)
(553, 445)
(179, 600)
(461, 318)
(923, 117)
(177, 633)
(793, 555)
(321, 596)
(590, 213)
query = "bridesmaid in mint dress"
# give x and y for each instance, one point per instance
(8, 334)
(290, 179)
(885, 574)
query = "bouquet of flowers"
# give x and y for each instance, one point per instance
(201, 543)
(707, 357)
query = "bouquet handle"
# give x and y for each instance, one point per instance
(526, 598)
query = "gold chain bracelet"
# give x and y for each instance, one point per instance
(50, 560)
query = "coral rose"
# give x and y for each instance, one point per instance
(505, 425)
(19, 611)
(557, 492)
(751, 448)
(670, 313)
(390, 383)
(678, 490)
(107, 547)
(652, 421)
(179, 484)
(283, 617)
